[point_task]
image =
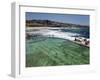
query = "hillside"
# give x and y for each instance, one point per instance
(49, 23)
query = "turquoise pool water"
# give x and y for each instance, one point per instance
(46, 51)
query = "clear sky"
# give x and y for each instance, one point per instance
(69, 18)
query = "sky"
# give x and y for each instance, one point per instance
(65, 18)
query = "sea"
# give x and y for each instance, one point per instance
(83, 32)
(71, 32)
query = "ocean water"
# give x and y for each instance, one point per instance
(38, 34)
(83, 32)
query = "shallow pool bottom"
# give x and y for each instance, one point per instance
(55, 51)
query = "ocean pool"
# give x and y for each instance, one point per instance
(50, 51)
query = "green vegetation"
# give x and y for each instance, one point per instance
(55, 51)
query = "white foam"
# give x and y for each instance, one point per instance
(55, 33)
